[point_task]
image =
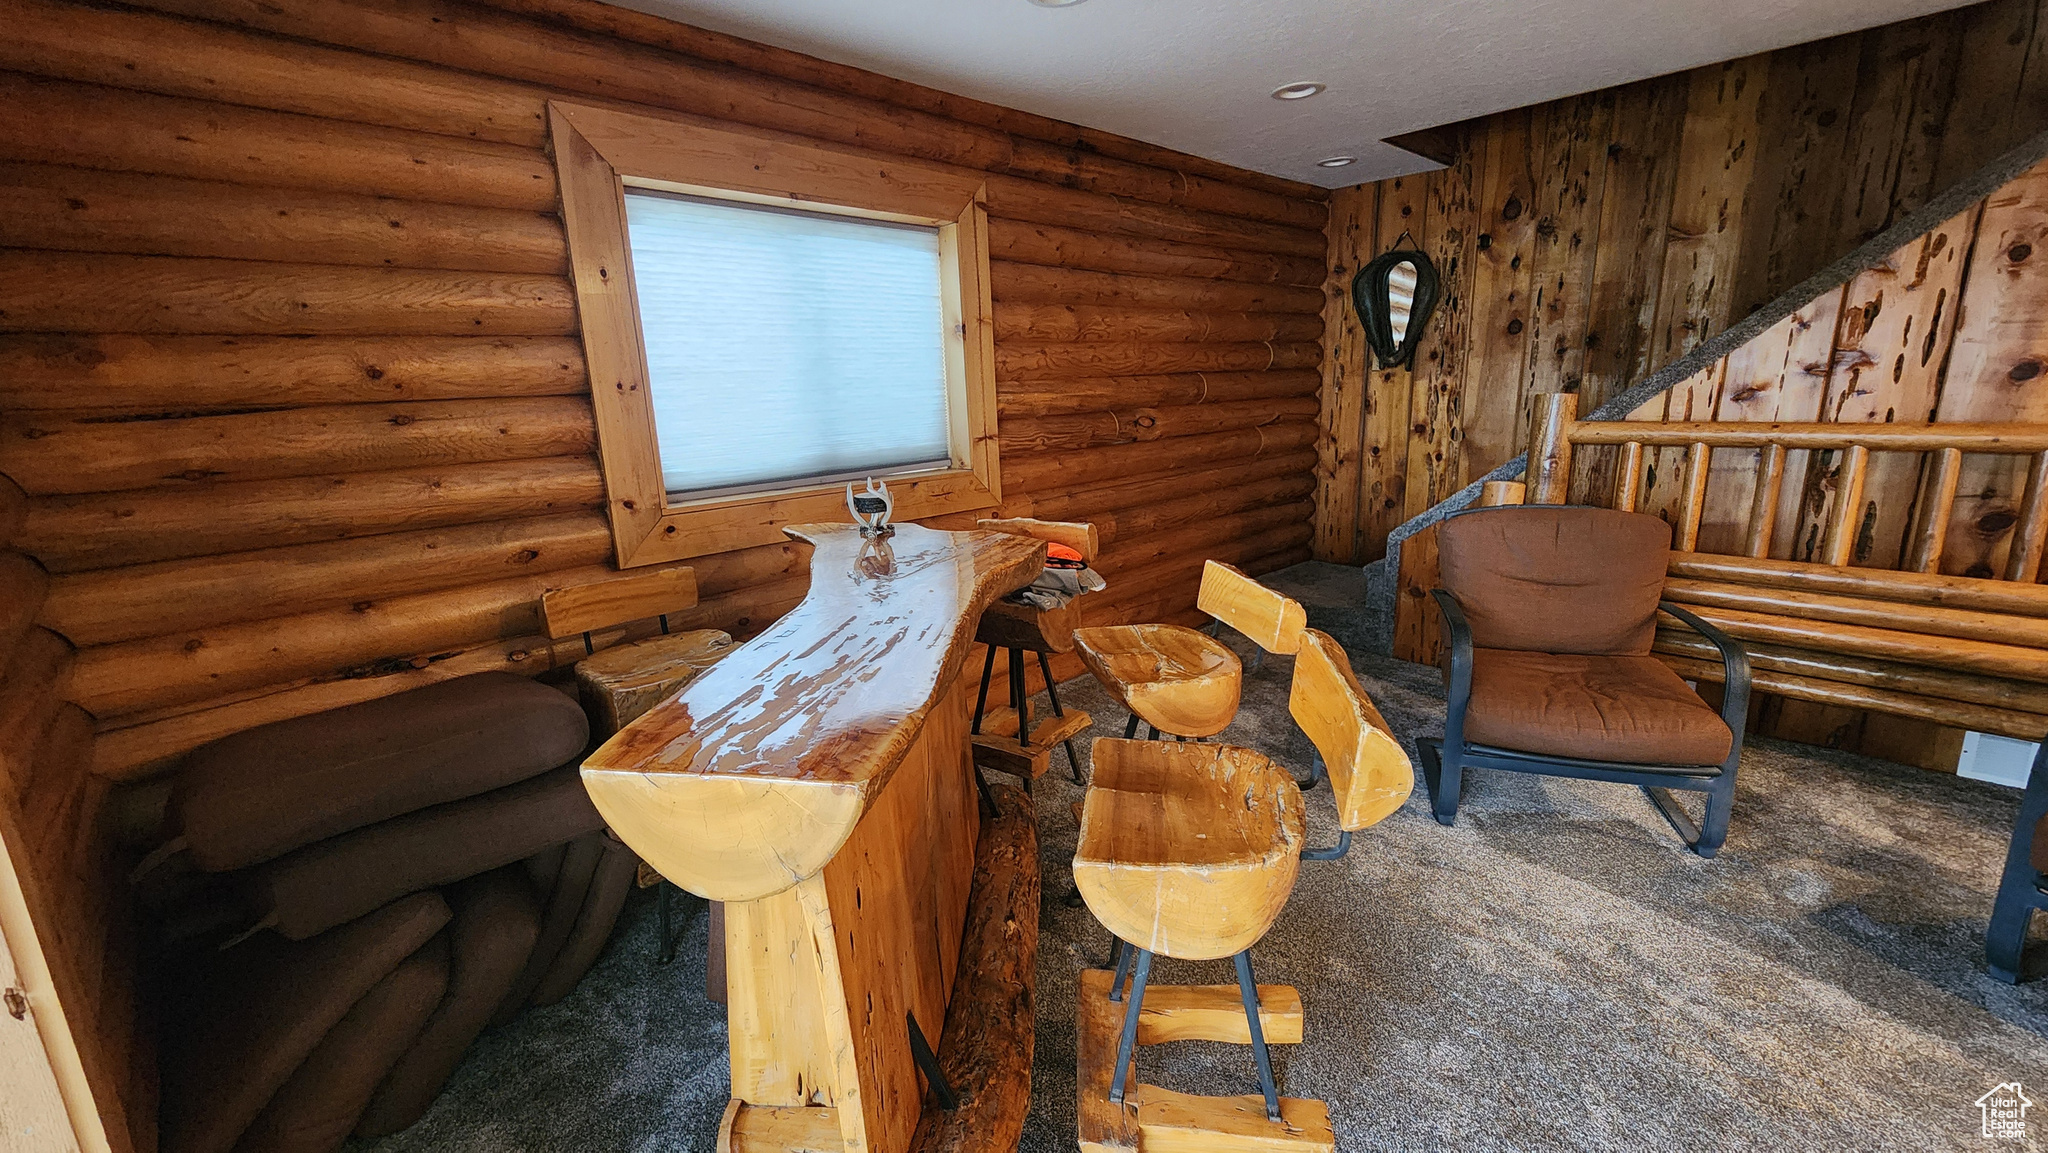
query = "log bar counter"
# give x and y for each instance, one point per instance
(819, 781)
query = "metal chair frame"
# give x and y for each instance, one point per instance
(1444, 762)
(1123, 954)
(1020, 701)
(2020, 886)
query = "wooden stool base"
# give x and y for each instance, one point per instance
(996, 747)
(985, 1049)
(1156, 1120)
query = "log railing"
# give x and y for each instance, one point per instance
(1965, 651)
(1556, 434)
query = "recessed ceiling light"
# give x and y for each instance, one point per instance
(1058, 3)
(1299, 90)
(1336, 161)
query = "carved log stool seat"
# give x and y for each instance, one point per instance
(1190, 851)
(1178, 680)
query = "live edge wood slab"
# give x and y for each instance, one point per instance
(819, 781)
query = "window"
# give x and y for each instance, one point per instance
(785, 346)
(767, 318)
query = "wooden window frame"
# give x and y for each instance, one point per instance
(598, 152)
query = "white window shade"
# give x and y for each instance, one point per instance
(787, 346)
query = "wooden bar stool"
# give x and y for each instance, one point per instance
(1023, 628)
(1190, 851)
(1183, 682)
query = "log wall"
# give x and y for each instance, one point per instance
(293, 409)
(1587, 242)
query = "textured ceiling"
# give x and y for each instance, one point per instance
(1194, 74)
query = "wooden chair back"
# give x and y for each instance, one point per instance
(1369, 770)
(1077, 535)
(587, 608)
(1273, 621)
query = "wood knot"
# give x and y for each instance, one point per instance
(402, 419)
(2019, 252)
(2025, 370)
(1996, 521)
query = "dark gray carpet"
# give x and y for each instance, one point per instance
(1556, 972)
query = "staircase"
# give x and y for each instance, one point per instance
(1374, 617)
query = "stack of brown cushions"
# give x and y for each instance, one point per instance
(416, 868)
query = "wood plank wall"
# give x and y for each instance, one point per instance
(295, 412)
(1946, 327)
(1587, 242)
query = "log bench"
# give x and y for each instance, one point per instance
(1968, 652)
(1959, 651)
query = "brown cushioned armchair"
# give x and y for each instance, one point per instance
(1549, 613)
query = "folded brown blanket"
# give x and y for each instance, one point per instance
(264, 792)
(496, 922)
(316, 1109)
(343, 877)
(245, 1020)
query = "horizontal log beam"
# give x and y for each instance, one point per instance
(1197, 175)
(1915, 648)
(92, 126)
(1027, 434)
(1203, 504)
(23, 585)
(1813, 606)
(81, 210)
(2004, 722)
(1099, 502)
(1898, 676)
(1015, 198)
(1125, 461)
(139, 747)
(1040, 323)
(2016, 598)
(1128, 393)
(194, 373)
(1160, 570)
(1060, 247)
(1020, 283)
(31, 675)
(498, 43)
(1970, 437)
(1199, 419)
(1136, 552)
(112, 605)
(354, 640)
(146, 744)
(178, 57)
(1034, 362)
(102, 530)
(42, 451)
(94, 293)
(13, 512)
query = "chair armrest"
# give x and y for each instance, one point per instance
(1458, 644)
(1734, 667)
